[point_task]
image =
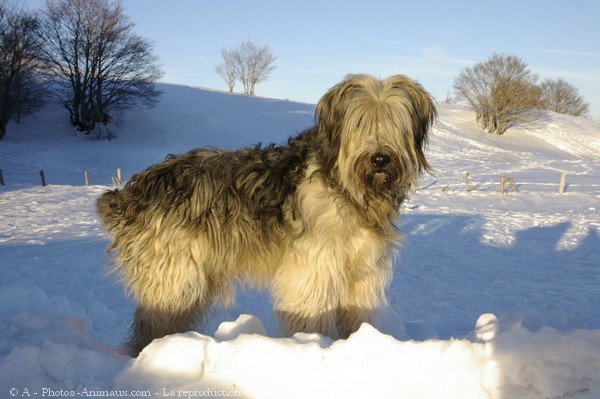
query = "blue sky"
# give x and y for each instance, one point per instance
(318, 42)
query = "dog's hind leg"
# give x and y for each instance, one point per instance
(151, 323)
(154, 321)
(171, 283)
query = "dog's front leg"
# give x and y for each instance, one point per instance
(364, 297)
(307, 291)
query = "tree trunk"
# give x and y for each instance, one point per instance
(98, 107)
(5, 111)
(3, 124)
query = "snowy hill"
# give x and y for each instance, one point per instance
(185, 118)
(530, 257)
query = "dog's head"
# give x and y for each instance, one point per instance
(372, 134)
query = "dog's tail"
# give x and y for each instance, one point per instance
(109, 207)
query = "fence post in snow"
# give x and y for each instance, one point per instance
(43, 178)
(85, 178)
(118, 178)
(1, 178)
(502, 181)
(563, 182)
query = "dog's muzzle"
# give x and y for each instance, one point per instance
(381, 172)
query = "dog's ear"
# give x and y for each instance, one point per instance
(330, 113)
(331, 107)
(423, 111)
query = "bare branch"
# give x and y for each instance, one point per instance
(562, 97)
(500, 90)
(247, 63)
(227, 70)
(22, 90)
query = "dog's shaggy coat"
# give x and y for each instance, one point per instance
(312, 219)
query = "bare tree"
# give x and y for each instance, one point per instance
(227, 69)
(564, 98)
(21, 88)
(102, 66)
(260, 64)
(501, 91)
(250, 64)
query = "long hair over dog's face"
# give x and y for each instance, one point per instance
(372, 133)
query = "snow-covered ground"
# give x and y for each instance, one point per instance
(530, 257)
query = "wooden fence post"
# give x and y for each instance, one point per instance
(118, 179)
(43, 178)
(468, 186)
(467, 181)
(502, 181)
(509, 182)
(85, 178)
(1, 178)
(563, 182)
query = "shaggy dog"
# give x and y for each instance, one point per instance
(311, 220)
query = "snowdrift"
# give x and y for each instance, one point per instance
(502, 360)
(508, 363)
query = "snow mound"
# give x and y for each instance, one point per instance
(513, 362)
(38, 352)
(508, 361)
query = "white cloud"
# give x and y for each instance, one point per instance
(572, 52)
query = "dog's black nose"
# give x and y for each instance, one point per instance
(380, 160)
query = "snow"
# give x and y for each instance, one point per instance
(494, 295)
(501, 364)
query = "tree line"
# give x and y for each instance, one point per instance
(84, 53)
(503, 92)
